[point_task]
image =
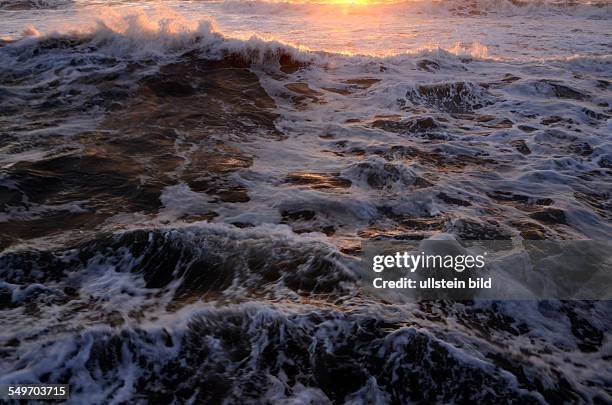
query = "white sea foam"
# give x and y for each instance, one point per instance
(426, 137)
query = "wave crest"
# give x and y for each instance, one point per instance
(164, 35)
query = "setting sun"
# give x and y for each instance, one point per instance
(357, 2)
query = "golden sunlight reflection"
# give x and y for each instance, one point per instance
(356, 2)
(346, 2)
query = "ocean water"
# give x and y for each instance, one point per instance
(185, 187)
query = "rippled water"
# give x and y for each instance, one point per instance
(185, 187)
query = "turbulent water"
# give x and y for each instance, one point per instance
(185, 187)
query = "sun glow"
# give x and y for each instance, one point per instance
(348, 2)
(356, 2)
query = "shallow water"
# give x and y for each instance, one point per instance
(185, 187)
